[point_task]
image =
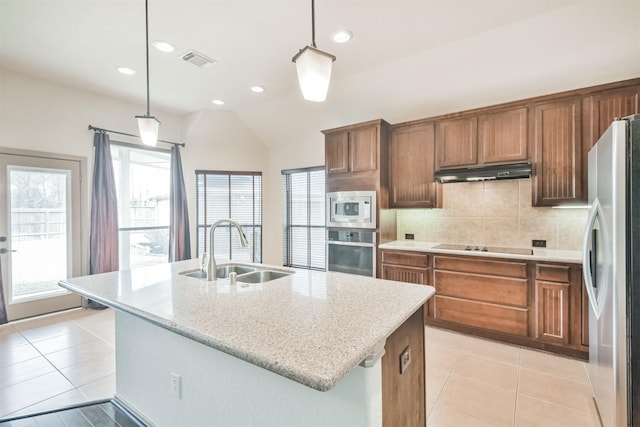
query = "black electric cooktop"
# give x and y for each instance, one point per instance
(478, 248)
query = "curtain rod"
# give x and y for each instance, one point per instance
(135, 136)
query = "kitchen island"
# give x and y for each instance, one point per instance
(305, 349)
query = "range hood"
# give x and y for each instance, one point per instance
(484, 173)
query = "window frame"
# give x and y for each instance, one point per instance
(207, 224)
(287, 214)
(128, 229)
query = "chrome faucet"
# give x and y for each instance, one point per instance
(211, 265)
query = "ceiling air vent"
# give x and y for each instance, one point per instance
(198, 59)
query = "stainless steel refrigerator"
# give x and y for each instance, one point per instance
(612, 273)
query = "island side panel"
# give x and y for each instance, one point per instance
(404, 393)
(218, 389)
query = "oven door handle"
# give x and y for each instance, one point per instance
(361, 244)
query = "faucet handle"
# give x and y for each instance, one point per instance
(233, 278)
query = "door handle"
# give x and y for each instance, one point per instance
(5, 250)
(587, 258)
(3, 239)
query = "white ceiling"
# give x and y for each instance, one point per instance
(408, 59)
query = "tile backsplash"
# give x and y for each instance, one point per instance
(497, 213)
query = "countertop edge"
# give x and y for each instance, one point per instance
(548, 255)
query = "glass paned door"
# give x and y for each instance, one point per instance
(40, 225)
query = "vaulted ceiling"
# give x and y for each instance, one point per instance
(407, 59)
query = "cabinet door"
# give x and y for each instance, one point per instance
(502, 136)
(600, 109)
(557, 153)
(363, 144)
(412, 164)
(457, 143)
(552, 312)
(405, 274)
(403, 385)
(336, 153)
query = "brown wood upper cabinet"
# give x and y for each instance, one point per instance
(351, 151)
(557, 153)
(601, 108)
(412, 164)
(457, 142)
(502, 136)
(488, 138)
(356, 156)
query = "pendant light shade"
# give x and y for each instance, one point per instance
(147, 124)
(314, 73)
(149, 127)
(314, 67)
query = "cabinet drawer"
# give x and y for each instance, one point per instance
(553, 273)
(481, 265)
(510, 320)
(493, 289)
(409, 259)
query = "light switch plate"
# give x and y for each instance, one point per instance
(405, 359)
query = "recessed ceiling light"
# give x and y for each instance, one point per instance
(218, 101)
(163, 46)
(127, 71)
(341, 36)
(257, 89)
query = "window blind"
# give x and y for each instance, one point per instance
(304, 218)
(235, 195)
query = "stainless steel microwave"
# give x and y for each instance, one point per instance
(351, 209)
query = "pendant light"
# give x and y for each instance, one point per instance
(148, 124)
(314, 67)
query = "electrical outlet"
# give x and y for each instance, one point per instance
(539, 243)
(176, 385)
(405, 359)
(408, 236)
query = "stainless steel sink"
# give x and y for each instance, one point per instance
(244, 273)
(261, 276)
(223, 271)
(195, 273)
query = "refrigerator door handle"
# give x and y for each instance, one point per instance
(587, 259)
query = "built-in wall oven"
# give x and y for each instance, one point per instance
(351, 251)
(351, 232)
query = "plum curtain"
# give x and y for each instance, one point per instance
(179, 240)
(103, 256)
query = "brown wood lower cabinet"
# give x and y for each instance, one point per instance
(484, 293)
(403, 390)
(406, 266)
(531, 303)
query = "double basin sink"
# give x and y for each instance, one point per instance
(245, 273)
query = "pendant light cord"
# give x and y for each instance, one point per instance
(146, 24)
(313, 24)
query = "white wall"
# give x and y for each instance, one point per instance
(43, 116)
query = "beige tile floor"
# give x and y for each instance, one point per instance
(474, 382)
(68, 358)
(56, 360)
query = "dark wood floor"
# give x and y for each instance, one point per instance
(96, 414)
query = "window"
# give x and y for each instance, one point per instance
(235, 195)
(142, 178)
(304, 212)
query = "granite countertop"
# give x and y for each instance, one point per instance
(550, 255)
(312, 327)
